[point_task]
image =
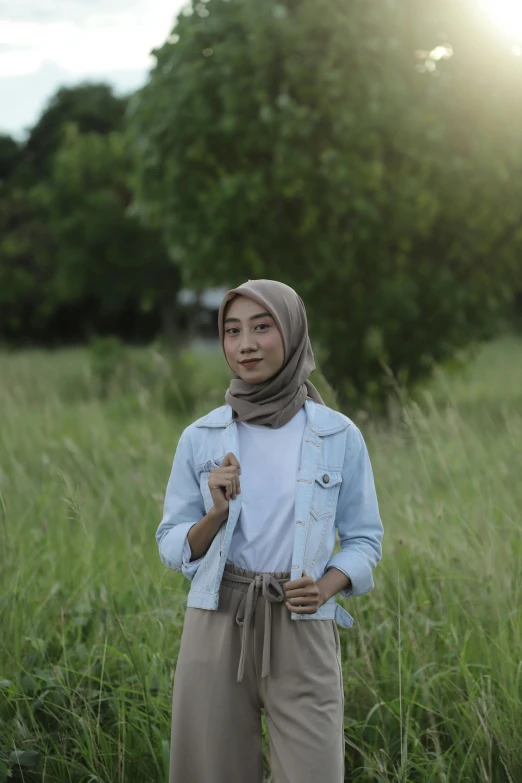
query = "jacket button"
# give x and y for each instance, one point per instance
(326, 478)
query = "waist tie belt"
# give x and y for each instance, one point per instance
(272, 591)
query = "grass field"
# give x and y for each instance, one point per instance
(90, 620)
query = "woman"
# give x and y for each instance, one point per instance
(257, 491)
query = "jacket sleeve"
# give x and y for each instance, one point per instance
(182, 509)
(357, 519)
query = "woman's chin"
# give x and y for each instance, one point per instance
(253, 376)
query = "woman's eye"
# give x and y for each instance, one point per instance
(233, 328)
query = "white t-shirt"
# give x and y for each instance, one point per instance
(263, 538)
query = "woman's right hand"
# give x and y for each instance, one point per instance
(223, 483)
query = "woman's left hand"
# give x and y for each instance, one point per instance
(304, 595)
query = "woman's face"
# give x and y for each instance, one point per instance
(250, 332)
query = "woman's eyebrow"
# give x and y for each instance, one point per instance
(252, 317)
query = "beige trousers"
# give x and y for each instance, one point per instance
(245, 656)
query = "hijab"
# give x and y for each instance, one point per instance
(275, 401)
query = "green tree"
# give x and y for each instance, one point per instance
(103, 251)
(92, 107)
(367, 153)
(73, 258)
(30, 297)
(27, 261)
(10, 157)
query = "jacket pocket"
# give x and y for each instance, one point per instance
(210, 464)
(327, 486)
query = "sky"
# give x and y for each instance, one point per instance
(45, 44)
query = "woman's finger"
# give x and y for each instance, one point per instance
(297, 591)
(303, 601)
(230, 459)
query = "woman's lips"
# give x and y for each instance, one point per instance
(251, 364)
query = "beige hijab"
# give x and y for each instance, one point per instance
(278, 399)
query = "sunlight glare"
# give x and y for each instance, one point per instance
(507, 15)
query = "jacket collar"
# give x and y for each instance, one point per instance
(321, 419)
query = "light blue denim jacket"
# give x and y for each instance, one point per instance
(334, 490)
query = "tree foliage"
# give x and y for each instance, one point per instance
(104, 252)
(367, 153)
(10, 155)
(26, 260)
(92, 107)
(74, 260)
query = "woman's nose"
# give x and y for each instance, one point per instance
(247, 341)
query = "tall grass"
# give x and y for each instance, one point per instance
(90, 620)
